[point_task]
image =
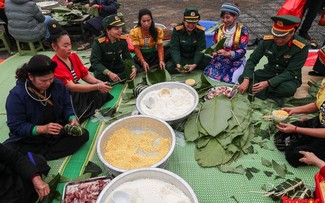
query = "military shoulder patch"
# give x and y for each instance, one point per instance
(179, 27)
(101, 39)
(123, 36)
(298, 43)
(200, 27)
(268, 37)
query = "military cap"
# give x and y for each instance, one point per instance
(283, 24)
(112, 21)
(191, 15)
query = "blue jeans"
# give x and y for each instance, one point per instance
(47, 20)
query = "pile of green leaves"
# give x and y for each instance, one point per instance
(63, 14)
(221, 130)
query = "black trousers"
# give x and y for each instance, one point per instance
(50, 146)
(292, 143)
(313, 8)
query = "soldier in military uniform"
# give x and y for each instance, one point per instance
(186, 44)
(107, 50)
(286, 53)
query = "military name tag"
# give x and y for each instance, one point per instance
(268, 52)
(287, 56)
(109, 52)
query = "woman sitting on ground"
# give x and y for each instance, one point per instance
(228, 63)
(88, 96)
(148, 42)
(38, 108)
(303, 135)
(109, 51)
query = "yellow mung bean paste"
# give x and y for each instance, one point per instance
(127, 150)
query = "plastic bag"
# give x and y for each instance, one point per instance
(292, 7)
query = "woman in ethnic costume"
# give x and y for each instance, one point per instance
(148, 42)
(228, 63)
(37, 109)
(306, 134)
(86, 97)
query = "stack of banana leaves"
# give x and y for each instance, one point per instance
(63, 15)
(222, 130)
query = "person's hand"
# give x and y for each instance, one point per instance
(289, 110)
(41, 187)
(257, 87)
(87, 6)
(133, 73)
(145, 66)
(103, 87)
(243, 87)
(214, 54)
(309, 158)
(114, 77)
(95, 6)
(74, 121)
(53, 128)
(222, 52)
(178, 66)
(191, 67)
(162, 65)
(286, 127)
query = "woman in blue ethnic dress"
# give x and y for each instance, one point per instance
(228, 63)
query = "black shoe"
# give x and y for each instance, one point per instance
(314, 73)
(304, 35)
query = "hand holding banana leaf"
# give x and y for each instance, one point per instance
(214, 48)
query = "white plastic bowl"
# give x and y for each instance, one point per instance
(136, 123)
(169, 85)
(152, 173)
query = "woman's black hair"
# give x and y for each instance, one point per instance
(38, 65)
(56, 31)
(152, 30)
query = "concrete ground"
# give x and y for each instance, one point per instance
(255, 14)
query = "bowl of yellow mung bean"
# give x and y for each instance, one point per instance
(279, 115)
(135, 142)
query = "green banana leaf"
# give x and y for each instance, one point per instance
(93, 11)
(157, 75)
(214, 47)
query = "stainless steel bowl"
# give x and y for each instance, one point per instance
(136, 123)
(169, 85)
(152, 173)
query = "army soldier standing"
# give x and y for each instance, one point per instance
(107, 50)
(186, 44)
(286, 53)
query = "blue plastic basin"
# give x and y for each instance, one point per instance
(207, 24)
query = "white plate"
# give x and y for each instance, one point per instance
(215, 91)
(46, 3)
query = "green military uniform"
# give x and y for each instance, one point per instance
(108, 56)
(283, 70)
(185, 46)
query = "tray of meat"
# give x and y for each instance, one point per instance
(225, 90)
(85, 190)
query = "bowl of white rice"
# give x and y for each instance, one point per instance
(169, 101)
(149, 185)
(133, 142)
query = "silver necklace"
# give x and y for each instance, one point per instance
(43, 101)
